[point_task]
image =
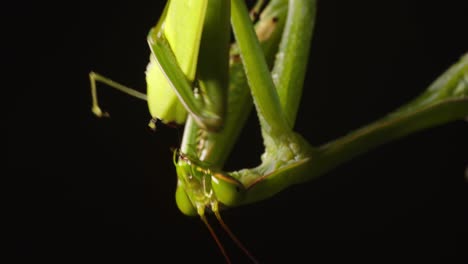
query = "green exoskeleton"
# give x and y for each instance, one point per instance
(194, 61)
(198, 76)
(193, 68)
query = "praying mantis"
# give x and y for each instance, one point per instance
(198, 77)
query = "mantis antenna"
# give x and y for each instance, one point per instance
(234, 238)
(231, 235)
(215, 237)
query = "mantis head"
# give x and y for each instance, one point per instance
(199, 187)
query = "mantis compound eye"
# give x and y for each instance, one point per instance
(183, 202)
(228, 190)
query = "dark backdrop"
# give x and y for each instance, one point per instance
(88, 189)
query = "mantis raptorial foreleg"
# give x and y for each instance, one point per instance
(182, 87)
(193, 63)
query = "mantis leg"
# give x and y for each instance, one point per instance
(193, 65)
(95, 77)
(182, 86)
(255, 11)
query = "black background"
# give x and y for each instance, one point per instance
(103, 190)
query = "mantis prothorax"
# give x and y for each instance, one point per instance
(193, 70)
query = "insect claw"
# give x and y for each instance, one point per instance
(152, 124)
(98, 112)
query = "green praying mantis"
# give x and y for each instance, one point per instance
(200, 77)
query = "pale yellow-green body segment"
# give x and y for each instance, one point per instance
(187, 15)
(183, 30)
(163, 103)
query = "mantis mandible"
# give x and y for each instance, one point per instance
(198, 77)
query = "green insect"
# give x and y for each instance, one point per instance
(198, 76)
(189, 72)
(170, 89)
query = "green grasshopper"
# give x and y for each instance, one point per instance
(197, 76)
